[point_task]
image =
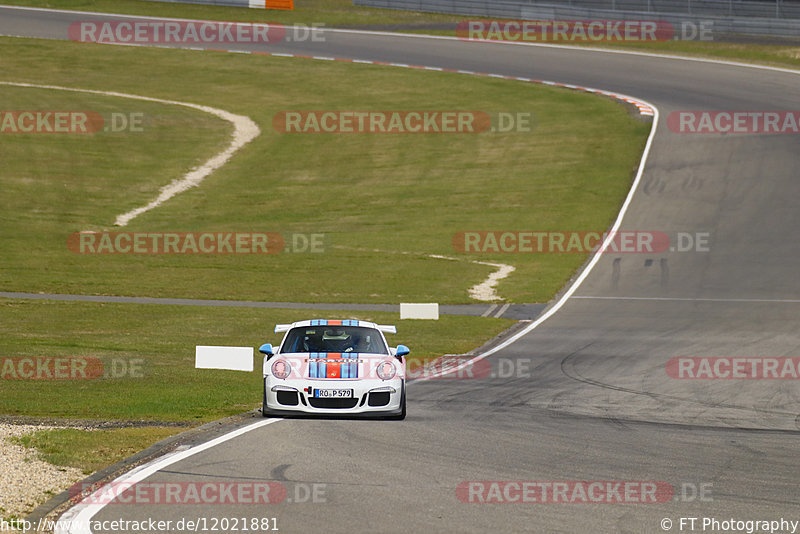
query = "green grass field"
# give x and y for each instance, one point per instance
(159, 340)
(402, 195)
(91, 451)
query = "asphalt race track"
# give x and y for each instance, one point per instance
(593, 400)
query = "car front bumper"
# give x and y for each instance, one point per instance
(371, 397)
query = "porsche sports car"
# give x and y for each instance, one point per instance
(328, 367)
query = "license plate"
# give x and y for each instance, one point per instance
(333, 393)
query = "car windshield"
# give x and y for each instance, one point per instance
(334, 339)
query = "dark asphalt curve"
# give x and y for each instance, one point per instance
(585, 396)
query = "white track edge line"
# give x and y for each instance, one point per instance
(578, 281)
(80, 515)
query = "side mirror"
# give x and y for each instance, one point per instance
(402, 350)
(266, 348)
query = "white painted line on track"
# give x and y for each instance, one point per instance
(489, 310)
(502, 310)
(76, 519)
(582, 276)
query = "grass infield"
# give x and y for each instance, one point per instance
(385, 204)
(147, 356)
(91, 450)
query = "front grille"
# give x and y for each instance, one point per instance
(378, 398)
(287, 398)
(332, 403)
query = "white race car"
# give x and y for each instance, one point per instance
(328, 367)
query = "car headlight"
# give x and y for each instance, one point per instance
(386, 370)
(281, 369)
